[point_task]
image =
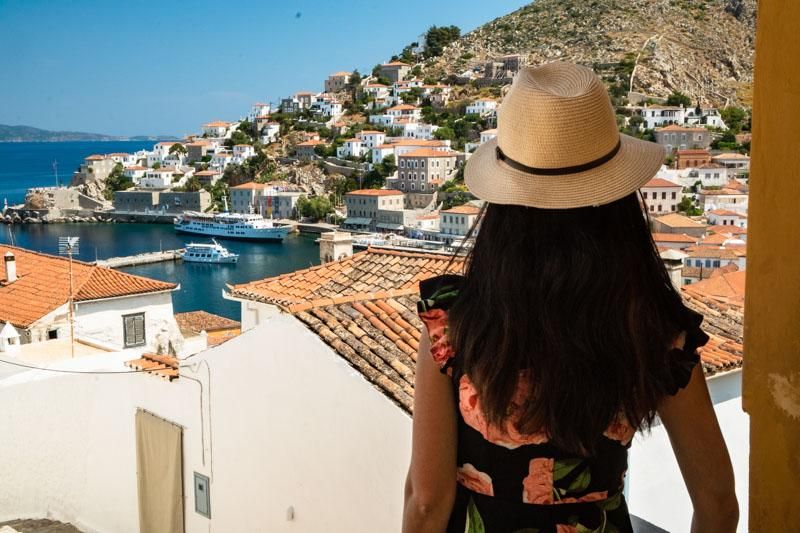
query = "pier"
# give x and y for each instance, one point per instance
(140, 259)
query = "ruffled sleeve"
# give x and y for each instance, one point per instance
(683, 360)
(436, 296)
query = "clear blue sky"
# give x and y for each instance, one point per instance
(164, 67)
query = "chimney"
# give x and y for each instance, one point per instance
(11, 267)
(335, 245)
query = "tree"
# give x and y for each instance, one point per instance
(192, 184)
(238, 137)
(156, 165)
(733, 118)
(178, 148)
(686, 205)
(116, 181)
(438, 37)
(677, 98)
(445, 133)
(315, 208)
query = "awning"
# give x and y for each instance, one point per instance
(357, 221)
(392, 227)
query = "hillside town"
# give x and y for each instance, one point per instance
(375, 163)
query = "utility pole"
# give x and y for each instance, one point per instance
(69, 246)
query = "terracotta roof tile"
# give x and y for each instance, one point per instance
(42, 285)
(163, 366)
(194, 322)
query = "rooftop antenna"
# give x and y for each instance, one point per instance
(69, 246)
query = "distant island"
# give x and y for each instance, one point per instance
(31, 134)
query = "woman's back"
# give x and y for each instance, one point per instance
(510, 481)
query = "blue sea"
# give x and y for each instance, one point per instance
(26, 165)
(200, 285)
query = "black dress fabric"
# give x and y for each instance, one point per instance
(508, 482)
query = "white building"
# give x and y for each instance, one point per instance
(371, 138)
(657, 116)
(160, 178)
(220, 160)
(217, 128)
(242, 152)
(662, 196)
(709, 175)
(351, 148)
(126, 159)
(481, 106)
(730, 199)
(111, 308)
(457, 221)
(414, 130)
(379, 153)
(738, 163)
(135, 173)
(270, 132)
(725, 217)
(260, 109)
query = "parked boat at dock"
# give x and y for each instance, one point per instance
(231, 226)
(208, 253)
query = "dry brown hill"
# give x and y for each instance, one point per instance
(703, 48)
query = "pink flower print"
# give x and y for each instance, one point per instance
(537, 487)
(507, 436)
(620, 430)
(562, 528)
(475, 480)
(436, 322)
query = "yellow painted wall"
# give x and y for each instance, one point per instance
(772, 306)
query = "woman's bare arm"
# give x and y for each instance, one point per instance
(431, 482)
(703, 458)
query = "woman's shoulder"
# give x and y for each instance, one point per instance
(684, 355)
(439, 292)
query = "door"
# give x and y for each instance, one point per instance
(159, 473)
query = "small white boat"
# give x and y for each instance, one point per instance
(208, 253)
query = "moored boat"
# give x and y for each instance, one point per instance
(231, 226)
(208, 253)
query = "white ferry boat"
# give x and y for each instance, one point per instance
(208, 253)
(231, 226)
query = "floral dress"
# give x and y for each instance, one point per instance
(515, 483)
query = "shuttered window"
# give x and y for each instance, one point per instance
(134, 329)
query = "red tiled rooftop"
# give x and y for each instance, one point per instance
(674, 237)
(659, 182)
(195, 322)
(716, 252)
(375, 271)
(727, 213)
(429, 152)
(42, 285)
(162, 366)
(463, 210)
(374, 192)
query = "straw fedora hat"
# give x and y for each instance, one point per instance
(558, 145)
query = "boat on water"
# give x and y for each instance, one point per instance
(208, 253)
(251, 227)
(396, 242)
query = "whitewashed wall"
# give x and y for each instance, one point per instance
(101, 320)
(292, 425)
(656, 491)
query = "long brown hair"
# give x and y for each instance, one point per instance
(579, 299)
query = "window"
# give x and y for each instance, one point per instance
(659, 208)
(52, 334)
(708, 263)
(716, 262)
(644, 195)
(652, 208)
(133, 330)
(674, 195)
(664, 195)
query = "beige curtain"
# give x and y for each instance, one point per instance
(159, 468)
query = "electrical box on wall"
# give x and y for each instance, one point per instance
(202, 496)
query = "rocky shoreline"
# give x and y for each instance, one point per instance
(32, 217)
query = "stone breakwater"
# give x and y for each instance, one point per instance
(27, 216)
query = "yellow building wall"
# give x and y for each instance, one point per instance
(771, 388)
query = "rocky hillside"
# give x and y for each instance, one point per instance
(703, 48)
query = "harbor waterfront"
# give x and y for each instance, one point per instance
(201, 284)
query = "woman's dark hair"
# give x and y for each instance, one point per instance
(579, 299)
